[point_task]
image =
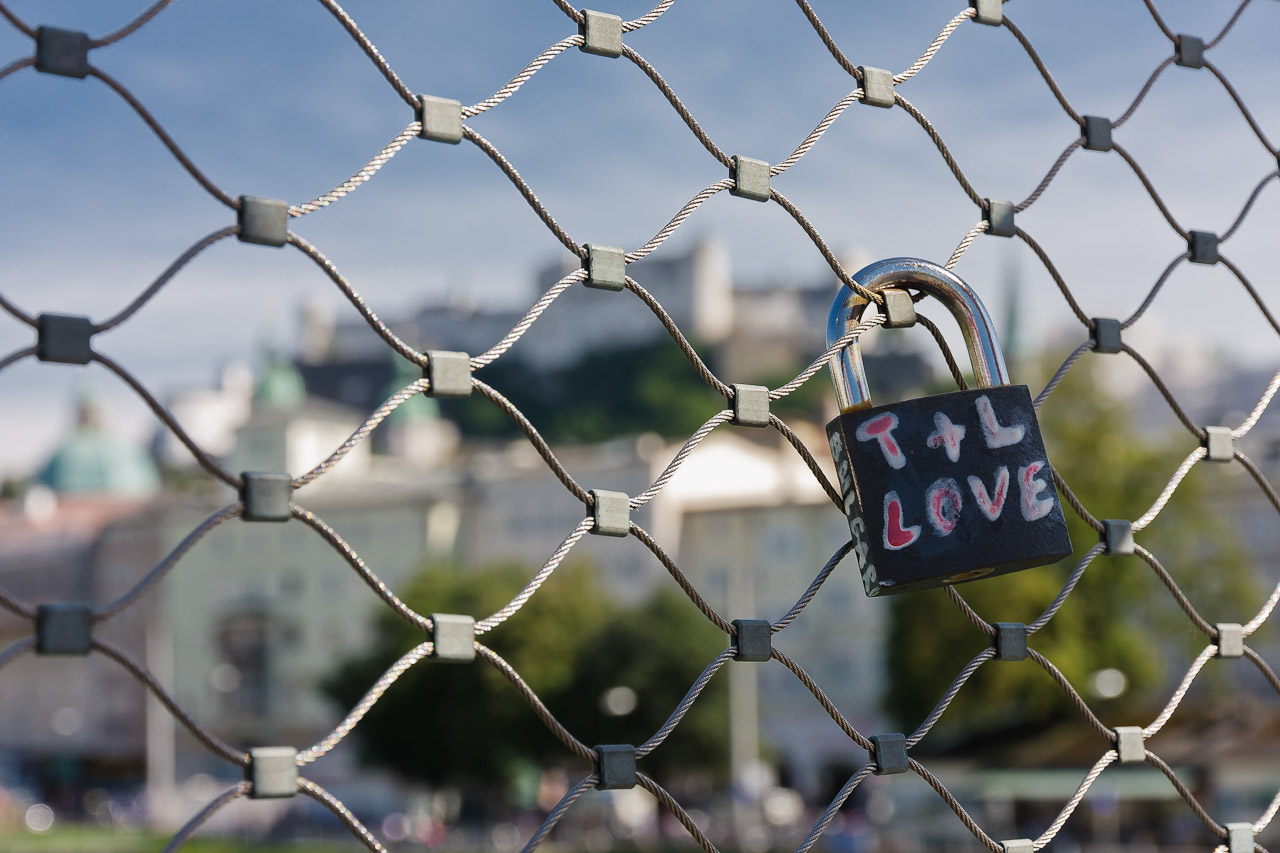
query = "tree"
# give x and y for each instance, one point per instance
(651, 388)
(570, 642)
(1119, 615)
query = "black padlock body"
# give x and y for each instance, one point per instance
(906, 548)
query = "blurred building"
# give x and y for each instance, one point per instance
(252, 619)
(254, 616)
(257, 614)
(209, 415)
(755, 530)
(249, 622)
(81, 532)
(695, 288)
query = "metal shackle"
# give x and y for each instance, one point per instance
(847, 370)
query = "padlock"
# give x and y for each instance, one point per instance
(947, 488)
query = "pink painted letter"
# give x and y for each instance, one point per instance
(942, 504)
(897, 537)
(880, 428)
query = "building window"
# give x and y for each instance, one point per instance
(244, 643)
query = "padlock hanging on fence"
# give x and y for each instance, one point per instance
(942, 489)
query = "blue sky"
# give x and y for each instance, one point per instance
(275, 99)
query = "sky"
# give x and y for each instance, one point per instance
(275, 99)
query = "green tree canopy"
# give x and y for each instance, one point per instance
(1119, 616)
(449, 722)
(650, 388)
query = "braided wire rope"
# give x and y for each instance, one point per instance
(716, 420)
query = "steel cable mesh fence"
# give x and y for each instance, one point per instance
(68, 339)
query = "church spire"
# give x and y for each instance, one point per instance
(1011, 337)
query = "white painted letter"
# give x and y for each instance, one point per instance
(1031, 486)
(996, 435)
(946, 435)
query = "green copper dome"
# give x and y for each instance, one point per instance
(281, 386)
(92, 462)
